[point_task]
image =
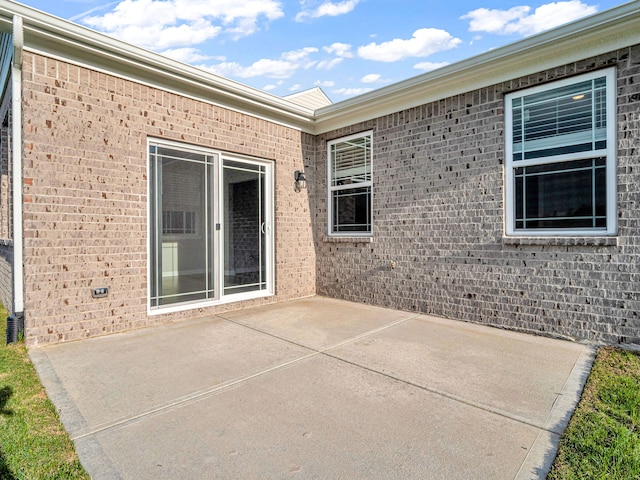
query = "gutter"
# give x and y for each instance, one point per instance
(16, 125)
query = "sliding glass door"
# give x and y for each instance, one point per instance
(210, 226)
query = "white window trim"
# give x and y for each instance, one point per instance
(220, 299)
(331, 189)
(610, 153)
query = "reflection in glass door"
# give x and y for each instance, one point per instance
(245, 227)
(181, 240)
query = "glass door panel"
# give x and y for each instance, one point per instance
(245, 227)
(182, 240)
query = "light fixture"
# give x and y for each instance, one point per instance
(300, 179)
(578, 97)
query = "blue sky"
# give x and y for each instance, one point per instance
(346, 47)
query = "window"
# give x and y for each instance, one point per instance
(178, 223)
(560, 157)
(350, 185)
(210, 235)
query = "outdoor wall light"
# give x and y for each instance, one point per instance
(300, 179)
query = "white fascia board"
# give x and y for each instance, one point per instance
(62, 39)
(591, 36)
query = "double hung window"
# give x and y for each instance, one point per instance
(350, 206)
(560, 157)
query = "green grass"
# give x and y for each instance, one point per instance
(33, 443)
(602, 440)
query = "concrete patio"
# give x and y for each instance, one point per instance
(315, 388)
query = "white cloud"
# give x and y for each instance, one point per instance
(428, 66)
(159, 37)
(188, 55)
(263, 67)
(284, 67)
(520, 20)
(329, 64)
(371, 78)
(86, 13)
(138, 13)
(334, 9)
(352, 91)
(325, 83)
(375, 78)
(340, 49)
(424, 42)
(160, 24)
(493, 21)
(298, 55)
(294, 88)
(273, 86)
(328, 9)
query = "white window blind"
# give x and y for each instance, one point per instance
(563, 120)
(351, 161)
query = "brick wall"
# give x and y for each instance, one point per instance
(438, 217)
(85, 196)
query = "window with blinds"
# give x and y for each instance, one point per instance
(350, 185)
(561, 157)
(560, 121)
(178, 223)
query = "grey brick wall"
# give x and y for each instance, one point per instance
(438, 217)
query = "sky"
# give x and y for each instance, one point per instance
(345, 47)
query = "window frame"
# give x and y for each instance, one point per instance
(331, 189)
(609, 153)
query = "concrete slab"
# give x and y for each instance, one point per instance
(317, 322)
(119, 376)
(315, 388)
(518, 375)
(321, 419)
